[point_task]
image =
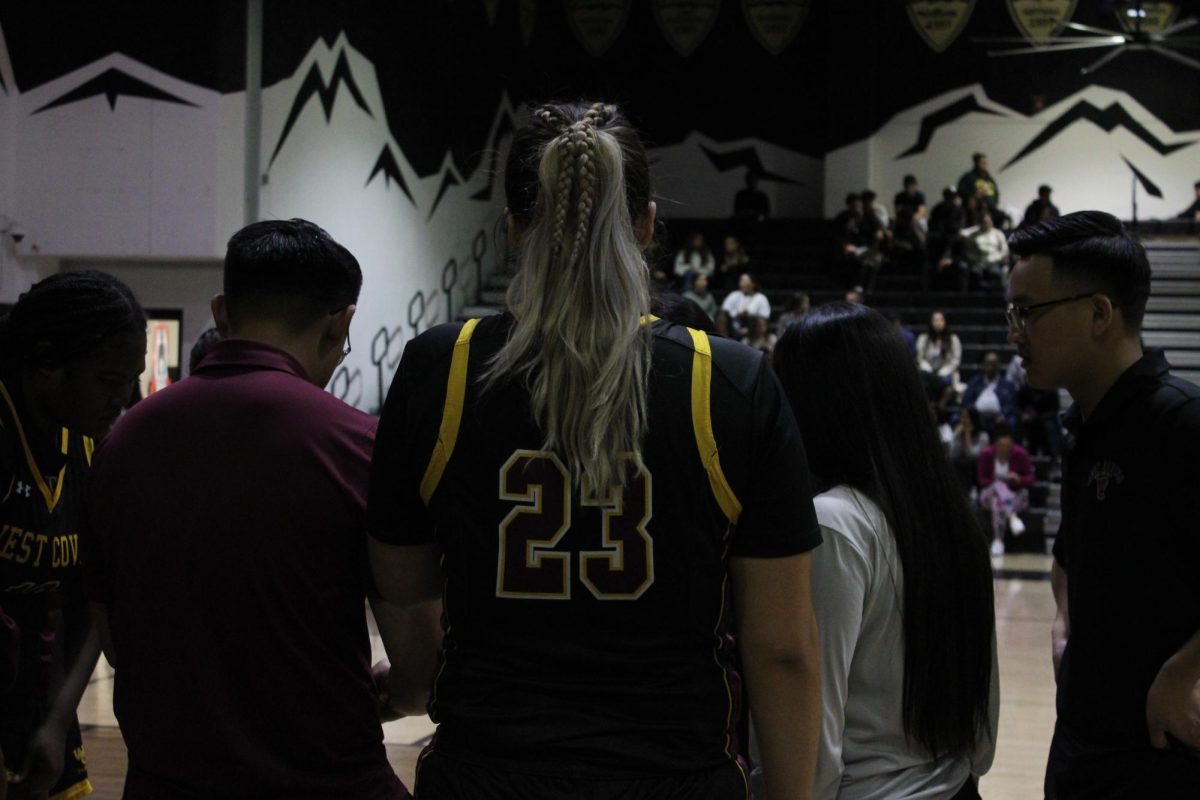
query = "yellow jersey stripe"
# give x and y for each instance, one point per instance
(706, 441)
(51, 498)
(456, 392)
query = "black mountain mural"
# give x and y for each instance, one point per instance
(744, 157)
(1108, 119)
(448, 180)
(112, 83)
(314, 84)
(386, 165)
(503, 129)
(1150, 186)
(944, 116)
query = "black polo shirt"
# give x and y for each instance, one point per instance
(1131, 550)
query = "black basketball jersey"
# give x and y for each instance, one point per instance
(588, 635)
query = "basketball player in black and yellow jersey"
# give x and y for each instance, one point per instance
(70, 351)
(600, 497)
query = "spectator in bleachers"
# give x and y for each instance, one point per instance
(798, 306)
(939, 354)
(966, 443)
(722, 325)
(744, 303)
(734, 260)
(987, 251)
(911, 197)
(906, 245)
(991, 394)
(1005, 475)
(759, 336)
(701, 296)
(693, 259)
(944, 243)
(204, 343)
(752, 204)
(1192, 212)
(979, 183)
(681, 310)
(1040, 209)
(854, 296)
(872, 206)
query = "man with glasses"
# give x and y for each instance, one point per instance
(1126, 569)
(225, 535)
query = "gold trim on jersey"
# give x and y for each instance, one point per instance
(456, 391)
(706, 441)
(89, 447)
(50, 497)
(78, 790)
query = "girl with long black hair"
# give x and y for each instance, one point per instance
(904, 569)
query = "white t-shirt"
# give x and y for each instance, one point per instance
(737, 303)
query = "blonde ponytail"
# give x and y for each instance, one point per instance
(581, 293)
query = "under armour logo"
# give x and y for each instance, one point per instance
(24, 489)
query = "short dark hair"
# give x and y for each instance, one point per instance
(909, 180)
(73, 312)
(1044, 189)
(852, 198)
(1094, 248)
(868, 195)
(204, 343)
(977, 157)
(291, 271)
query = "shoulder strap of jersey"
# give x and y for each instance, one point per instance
(706, 441)
(51, 497)
(456, 392)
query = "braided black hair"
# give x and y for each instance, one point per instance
(73, 312)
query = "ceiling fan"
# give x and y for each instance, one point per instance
(1164, 42)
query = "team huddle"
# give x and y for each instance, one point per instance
(610, 554)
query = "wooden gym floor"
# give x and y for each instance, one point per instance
(1024, 611)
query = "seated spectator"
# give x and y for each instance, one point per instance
(693, 259)
(701, 296)
(759, 336)
(1005, 475)
(1192, 212)
(945, 247)
(1040, 209)
(909, 337)
(987, 251)
(744, 303)
(939, 354)
(912, 198)
(871, 205)
(906, 245)
(966, 443)
(979, 184)
(991, 394)
(733, 263)
(797, 307)
(681, 310)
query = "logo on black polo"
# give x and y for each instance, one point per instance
(1102, 475)
(24, 489)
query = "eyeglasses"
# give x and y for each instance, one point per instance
(345, 348)
(1018, 316)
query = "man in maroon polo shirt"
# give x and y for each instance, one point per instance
(225, 543)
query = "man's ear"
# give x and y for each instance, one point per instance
(1104, 314)
(644, 229)
(337, 328)
(220, 315)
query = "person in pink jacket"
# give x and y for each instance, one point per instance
(1005, 475)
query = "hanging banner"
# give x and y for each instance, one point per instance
(527, 13)
(596, 23)
(685, 23)
(1154, 16)
(1039, 21)
(775, 23)
(940, 21)
(491, 6)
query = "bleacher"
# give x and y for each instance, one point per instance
(790, 256)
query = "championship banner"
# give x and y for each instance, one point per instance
(685, 23)
(940, 21)
(1040, 21)
(491, 7)
(596, 23)
(1156, 16)
(775, 23)
(527, 14)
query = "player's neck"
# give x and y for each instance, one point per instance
(1105, 372)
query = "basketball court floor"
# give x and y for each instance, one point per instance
(1024, 611)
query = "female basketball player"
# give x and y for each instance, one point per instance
(70, 351)
(904, 569)
(570, 473)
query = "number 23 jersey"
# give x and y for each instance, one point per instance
(588, 635)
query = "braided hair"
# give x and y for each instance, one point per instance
(577, 181)
(73, 312)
